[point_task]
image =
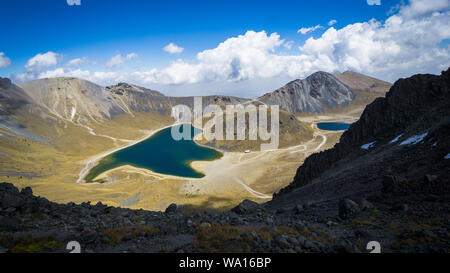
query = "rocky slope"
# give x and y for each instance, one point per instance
(140, 99)
(315, 94)
(33, 224)
(404, 134)
(15, 102)
(73, 99)
(356, 81)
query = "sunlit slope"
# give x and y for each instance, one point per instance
(291, 132)
(50, 128)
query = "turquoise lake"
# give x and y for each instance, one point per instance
(159, 153)
(333, 126)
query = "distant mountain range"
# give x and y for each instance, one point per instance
(83, 102)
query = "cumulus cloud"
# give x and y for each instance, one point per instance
(332, 22)
(238, 58)
(4, 61)
(397, 47)
(408, 42)
(400, 45)
(418, 8)
(288, 44)
(41, 61)
(306, 30)
(36, 65)
(118, 60)
(173, 48)
(100, 77)
(115, 61)
(77, 61)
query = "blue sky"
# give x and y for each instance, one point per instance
(98, 30)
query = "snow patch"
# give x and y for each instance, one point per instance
(368, 145)
(396, 139)
(72, 115)
(447, 156)
(414, 139)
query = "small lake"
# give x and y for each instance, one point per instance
(333, 126)
(159, 153)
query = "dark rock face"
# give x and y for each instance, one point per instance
(247, 207)
(314, 94)
(413, 106)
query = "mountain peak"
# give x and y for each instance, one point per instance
(314, 94)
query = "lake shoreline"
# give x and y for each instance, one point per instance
(94, 161)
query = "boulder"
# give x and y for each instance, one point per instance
(205, 225)
(27, 191)
(348, 209)
(247, 207)
(365, 205)
(172, 208)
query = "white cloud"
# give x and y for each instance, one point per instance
(37, 65)
(398, 47)
(373, 2)
(306, 30)
(4, 61)
(173, 48)
(41, 61)
(423, 7)
(288, 44)
(117, 60)
(97, 76)
(238, 58)
(332, 22)
(131, 56)
(77, 61)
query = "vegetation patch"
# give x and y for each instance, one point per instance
(115, 235)
(28, 244)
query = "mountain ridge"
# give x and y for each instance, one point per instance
(416, 107)
(315, 93)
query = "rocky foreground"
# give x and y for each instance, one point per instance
(407, 216)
